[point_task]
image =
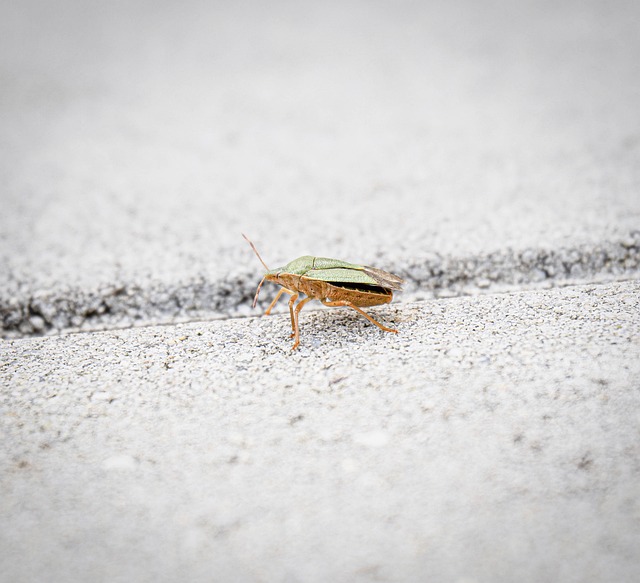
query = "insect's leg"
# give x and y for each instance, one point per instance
(292, 299)
(296, 332)
(357, 309)
(283, 290)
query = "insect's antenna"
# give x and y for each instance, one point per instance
(258, 254)
(255, 299)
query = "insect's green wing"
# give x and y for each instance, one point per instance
(337, 271)
(309, 264)
(341, 275)
(327, 263)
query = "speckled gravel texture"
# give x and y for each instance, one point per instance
(467, 145)
(495, 438)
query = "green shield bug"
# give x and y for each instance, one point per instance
(332, 282)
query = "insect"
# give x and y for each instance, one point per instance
(332, 282)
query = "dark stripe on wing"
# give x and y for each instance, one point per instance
(363, 287)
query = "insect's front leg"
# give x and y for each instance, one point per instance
(283, 290)
(292, 299)
(296, 332)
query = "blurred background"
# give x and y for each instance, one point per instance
(138, 138)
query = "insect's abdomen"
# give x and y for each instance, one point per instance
(364, 299)
(359, 295)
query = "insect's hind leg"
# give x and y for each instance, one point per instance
(348, 304)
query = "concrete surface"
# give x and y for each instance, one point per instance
(471, 147)
(495, 438)
(494, 142)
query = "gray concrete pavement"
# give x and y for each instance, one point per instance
(473, 138)
(468, 146)
(494, 438)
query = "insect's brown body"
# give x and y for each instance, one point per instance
(330, 295)
(333, 283)
(323, 290)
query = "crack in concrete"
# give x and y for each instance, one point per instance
(125, 305)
